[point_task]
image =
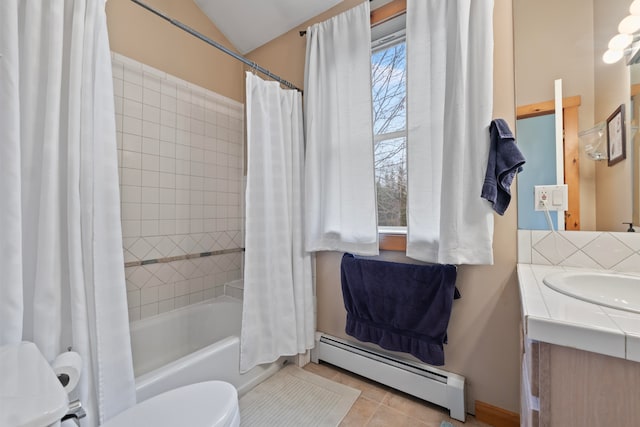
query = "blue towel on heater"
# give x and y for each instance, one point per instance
(505, 160)
(400, 307)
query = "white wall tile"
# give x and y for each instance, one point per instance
(168, 102)
(150, 211)
(150, 178)
(151, 162)
(133, 298)
(149, 228)
(179, 148)
(167, 164)
(132, 91)
(131, 176)
(148, 310)
(166, 227)
(132, 142)
(132, 108)
(131, 159)
(130, 228)
(167, 180)
(130, 211)
(150, 129)
(131, 125)
(167, 211)
(134, 314)
(181, 301)
(151, 98)
(149, 195)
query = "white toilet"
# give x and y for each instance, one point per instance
(32, 396)
(205, 404)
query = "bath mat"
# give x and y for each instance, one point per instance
(294, 397)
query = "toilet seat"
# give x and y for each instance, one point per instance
(205, 404)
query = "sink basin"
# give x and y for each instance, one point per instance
(608, 289)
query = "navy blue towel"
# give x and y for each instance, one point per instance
(400, 307)
(505, 160)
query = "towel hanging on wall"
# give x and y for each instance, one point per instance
(400, 307)
(505, 161)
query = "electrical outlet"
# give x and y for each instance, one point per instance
(555, 197)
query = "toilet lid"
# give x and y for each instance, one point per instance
(205, 404)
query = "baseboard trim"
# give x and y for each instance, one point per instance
(497, 417)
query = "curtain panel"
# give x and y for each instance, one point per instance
(340, 199)
(449, 108)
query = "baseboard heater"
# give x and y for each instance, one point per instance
(423, 381)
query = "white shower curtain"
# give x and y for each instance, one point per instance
(340, 210)
(278, 309)
(449, 107)
(61, 263)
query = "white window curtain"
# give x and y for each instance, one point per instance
(278, 308)
(449, 108)
(62, 278)
(340, 211)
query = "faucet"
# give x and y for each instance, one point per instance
(630, 229)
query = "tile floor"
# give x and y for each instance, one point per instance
(382, 406)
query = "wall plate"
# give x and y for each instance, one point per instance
(555, 196)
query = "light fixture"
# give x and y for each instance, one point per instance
(629, 24)
(612, 56)
(634, 9)
(620, 41)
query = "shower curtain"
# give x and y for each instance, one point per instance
(449, 107)
(278, 308)
(61, 264)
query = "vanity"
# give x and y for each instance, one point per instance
(580, 360)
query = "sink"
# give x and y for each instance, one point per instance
(613, 290)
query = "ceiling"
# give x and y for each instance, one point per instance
(249, 24)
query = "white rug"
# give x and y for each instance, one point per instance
(295, 397)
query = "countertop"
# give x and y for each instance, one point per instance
(553, 317)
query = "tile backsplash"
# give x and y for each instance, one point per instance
(180, 152)
(587, 249)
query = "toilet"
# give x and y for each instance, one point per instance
(32, 396)
(205, 404)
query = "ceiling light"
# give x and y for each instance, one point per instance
(634, 9)
(629, 25)
(612, 56)
(620, 41)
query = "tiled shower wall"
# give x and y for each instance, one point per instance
(180, 163)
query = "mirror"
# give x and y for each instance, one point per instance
(635, 124)
(566, 40)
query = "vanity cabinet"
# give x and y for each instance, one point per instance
(564, 386)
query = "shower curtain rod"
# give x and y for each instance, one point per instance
(217, 45)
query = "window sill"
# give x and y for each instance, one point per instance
(392, 238)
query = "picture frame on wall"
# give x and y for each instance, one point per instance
(616, 142)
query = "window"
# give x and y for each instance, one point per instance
(388, 77)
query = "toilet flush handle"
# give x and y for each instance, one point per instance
(75, 412)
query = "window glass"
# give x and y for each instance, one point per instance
(388, 76)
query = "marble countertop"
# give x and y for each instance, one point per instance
(553, 317)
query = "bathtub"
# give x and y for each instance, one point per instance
(195, 343)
